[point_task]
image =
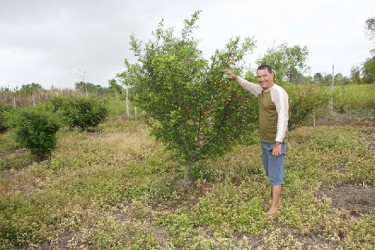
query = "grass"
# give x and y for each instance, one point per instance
(115, 188)
(353, 97)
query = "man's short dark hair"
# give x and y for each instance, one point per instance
(265, 66)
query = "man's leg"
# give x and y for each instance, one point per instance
(274, 168)
(276, 192)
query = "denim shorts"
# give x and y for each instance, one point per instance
(273, 165)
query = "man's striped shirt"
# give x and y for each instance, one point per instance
(273, 110)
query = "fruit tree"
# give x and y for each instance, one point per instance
(194, 109)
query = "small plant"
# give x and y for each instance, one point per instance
(36, 131)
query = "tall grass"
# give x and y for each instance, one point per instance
(357, 98)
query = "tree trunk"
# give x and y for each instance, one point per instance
(187, 179)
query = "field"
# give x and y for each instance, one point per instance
(116, 188)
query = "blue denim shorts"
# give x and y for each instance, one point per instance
(273, 165)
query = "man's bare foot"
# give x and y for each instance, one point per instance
(272, 211)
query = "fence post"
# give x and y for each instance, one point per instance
(331, 90)
(14, 102)
(127, 101)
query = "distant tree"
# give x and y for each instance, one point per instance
(368, 67)
(86, 87)
(355, 74)
(341, 79)
(318, 77)
(368, 70)
(115, 87)
(31, 88)
(126, 83)
(370, 28)
(287, 62)
(300, 78)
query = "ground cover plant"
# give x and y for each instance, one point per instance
(117, 188)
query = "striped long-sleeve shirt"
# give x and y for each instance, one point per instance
(273, 110)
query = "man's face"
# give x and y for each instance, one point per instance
(265, 78)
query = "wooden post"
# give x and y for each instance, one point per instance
(127, 101)
(331, 90)
(14, 102)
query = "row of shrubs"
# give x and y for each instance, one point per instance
(35, 127)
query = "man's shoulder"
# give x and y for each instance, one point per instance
(277, 87)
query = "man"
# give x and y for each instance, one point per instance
(273, 124)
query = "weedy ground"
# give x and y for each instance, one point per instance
(116, 188)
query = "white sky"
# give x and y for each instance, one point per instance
(61, 42)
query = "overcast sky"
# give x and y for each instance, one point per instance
(61, 42)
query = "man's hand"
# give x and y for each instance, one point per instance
(230, 74)
(276, 151)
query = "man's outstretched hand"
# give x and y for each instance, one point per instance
(230, 74)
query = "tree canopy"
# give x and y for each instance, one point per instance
(287, 62)
(194, 110)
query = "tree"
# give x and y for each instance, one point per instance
(87, 87)
(355, 74)
(368, 70)
(31, 88)
(126, 82)
(341, 79)
(318, 77)
(114, 87)
(287, 62)
(194, 110)
(368, 67)
(370, 28)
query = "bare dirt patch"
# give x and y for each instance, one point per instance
(341, 120)
(356, 199)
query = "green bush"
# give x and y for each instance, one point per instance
(36, 131)
(58, 103)
(4, 125)
(305, 101)
(80, 113)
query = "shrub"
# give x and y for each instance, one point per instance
(305, 101)
(36, 131)
(80, 113)
(4, 125)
